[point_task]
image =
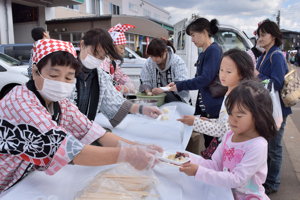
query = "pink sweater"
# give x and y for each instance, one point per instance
(241, 166)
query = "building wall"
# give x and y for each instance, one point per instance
(6, 23)
(143, 8)
(106, 10)
(64, 12)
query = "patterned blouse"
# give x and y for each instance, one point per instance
(119, 78)
(30, 139)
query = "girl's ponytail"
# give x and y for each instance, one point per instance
(214, 26)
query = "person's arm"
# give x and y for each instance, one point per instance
(127, 84)
(147, 76)
(180, 74)
(112, 104)
(253, 160)
(211, 67)
(278, 71)
(212, 128)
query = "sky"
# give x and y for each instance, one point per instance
(243, 14)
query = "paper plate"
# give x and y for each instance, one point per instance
(165, 155)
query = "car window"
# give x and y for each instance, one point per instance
(21, 53)
(228, 39)
(9, 60)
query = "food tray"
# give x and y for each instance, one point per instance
(170, 114)
(165, 155)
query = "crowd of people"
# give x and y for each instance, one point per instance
(50, 119)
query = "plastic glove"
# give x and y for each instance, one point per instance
(130, 86)
(154, 147)
(151, 111)
(136, 155)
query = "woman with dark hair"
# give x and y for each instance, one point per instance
(94, 90)
(161, 68)
(44, 131)
(272, 65)
(113, 67)
(208, 65)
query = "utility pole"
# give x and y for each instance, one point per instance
(278, 19)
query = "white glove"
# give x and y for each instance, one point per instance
(136, 155)
(151, 111)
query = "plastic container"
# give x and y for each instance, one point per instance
(146, 102)
(160, 97)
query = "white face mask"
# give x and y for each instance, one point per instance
(90, 61)
(55, 90)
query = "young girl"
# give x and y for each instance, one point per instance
(240, 161)
(236, 65)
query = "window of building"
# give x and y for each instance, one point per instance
(74, 7)
(114, 9)
(133, 7)
(130, 40)
(93, 6)
(22, 13)
(156, 16)
(147, 13)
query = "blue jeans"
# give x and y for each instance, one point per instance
(275, 158)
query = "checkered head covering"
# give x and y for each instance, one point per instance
(44, 47)
(117, 33)
(259, 23)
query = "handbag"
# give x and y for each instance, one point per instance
(216, 88)
(290, 92)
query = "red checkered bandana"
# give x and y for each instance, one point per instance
(44, 47)
(259, 23)
(117, 33)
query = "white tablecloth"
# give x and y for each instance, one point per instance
(171, 135)
(66, 183)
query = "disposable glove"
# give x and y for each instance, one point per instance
(151, 111)
(136, 155)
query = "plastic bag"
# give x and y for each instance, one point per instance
(121, 182)
(277, 112)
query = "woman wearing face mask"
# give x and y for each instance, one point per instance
(95, 45)
(272, 65)
(161, 68)
(208, 65)
(120, 80)
(41, 130)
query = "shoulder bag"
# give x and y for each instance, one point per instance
(290, 92)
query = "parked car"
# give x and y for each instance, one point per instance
(20, 52)
(12, 73)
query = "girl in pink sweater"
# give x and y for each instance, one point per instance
(240, 161)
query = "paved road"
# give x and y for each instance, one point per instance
(290, 171)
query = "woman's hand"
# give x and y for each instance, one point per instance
(151, 111)
(156, 91)
(187, 119)
(124, 89)
(189, 169)
(171, 84)
(173, 88)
